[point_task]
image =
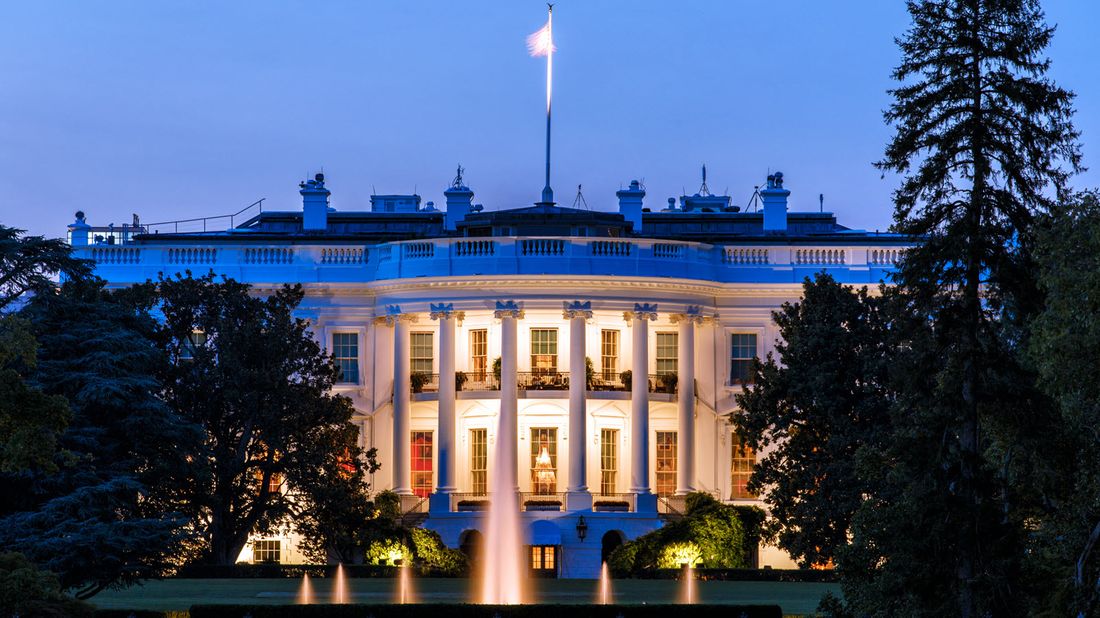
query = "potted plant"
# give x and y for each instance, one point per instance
(472, 505)
(460, 380)
(496, 368)
(543, 504)
(626, 378)
(668, 382)
(418, 380)
(611, 506)
(589, 373)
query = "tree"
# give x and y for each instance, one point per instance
(812, 409)
(27, 264)
(30, 420)
(336, 512)
(983, 140)
(1065, 347)
(110, 512)
(252, 377)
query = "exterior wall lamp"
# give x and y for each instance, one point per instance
(582, 528)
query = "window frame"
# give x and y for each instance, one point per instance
(479, 350)
(741, 468)
(609, 454)
(419, 488)
(479, 487)
(740, 329)
(552, 449)
(610, 373)
(670, 455)
(552, 356)
(657, 348)
(415, 348)
(336, 348)
(736, 361)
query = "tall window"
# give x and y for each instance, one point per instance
(479, 461)
(267, 551)
(609, 460)
(420, 352)
(666, 463)
(345, 349)
(421, 463)
(743, 351)
(744, 459)
(609, 354)
(544, 350)
(479, 353)
(666, 352)
(544, 460)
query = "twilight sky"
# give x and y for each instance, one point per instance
(191, 108)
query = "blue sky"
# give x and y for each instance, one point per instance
(182, 109)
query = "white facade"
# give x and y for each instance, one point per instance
(645, 301)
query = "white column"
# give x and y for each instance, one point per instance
(508, 433)
(440, 500)
(639, 407)
(578, 496)
(401, 407)
(685, 386)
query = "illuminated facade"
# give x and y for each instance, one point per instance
(618, 340)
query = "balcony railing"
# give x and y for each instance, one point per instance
(613, 503)
(539, 381)
(663, 383)
(542, 380)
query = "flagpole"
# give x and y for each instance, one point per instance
(547, 192)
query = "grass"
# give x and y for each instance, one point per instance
(180, 594)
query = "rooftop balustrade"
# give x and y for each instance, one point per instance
(750, 261)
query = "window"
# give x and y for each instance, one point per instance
(422, 463)
(742, 353)
(666, 352)
(609, 460)
(275, 483)
(193, 342)
(744, 460)
(544, 350)
(479, 353)
(479, 461)
(544, 460)
(269, 551)
(345, 349)
(543, 558)
(420, 353)
(609, 355)
(666, 463)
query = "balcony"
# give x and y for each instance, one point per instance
(425, 386)
(531, 502)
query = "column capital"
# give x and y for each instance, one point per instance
(577, 309)
(642, 311)
(692, 314)
(394, 315)
(443, 311)
(508, 309)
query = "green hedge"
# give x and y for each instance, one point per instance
(483, 611)
(137, 613)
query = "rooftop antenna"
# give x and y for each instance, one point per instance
(754, 201)
(703, 190)
(821, 202)
(580, 199)
(457, 182)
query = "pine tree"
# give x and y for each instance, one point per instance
(984, 142)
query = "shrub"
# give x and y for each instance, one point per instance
(626, 378)
(418, 380)
(435, 610)
(435, 558)
(460, 380)
(27, 591)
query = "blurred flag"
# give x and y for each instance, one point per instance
(541, 43)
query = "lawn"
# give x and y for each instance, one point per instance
(180, 594)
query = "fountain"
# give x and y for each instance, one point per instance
(687, 594)
(305, 592)
(604, 596)
(405, 593)
(340, 586)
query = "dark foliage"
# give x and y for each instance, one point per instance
(438, 610)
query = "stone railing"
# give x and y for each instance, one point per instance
(468, 257)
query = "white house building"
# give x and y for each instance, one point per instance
(443, 320)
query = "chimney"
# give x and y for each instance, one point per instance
(78, 230)
(774, 197)
(459, 200)
(630, 204)
(314, 204)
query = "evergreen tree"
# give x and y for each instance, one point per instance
(28, 263)
(253, 377)
(984, 141)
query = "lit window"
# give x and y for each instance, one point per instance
(345, 350)
(666, 463)
(420, 352)
(479, 353)
(543, 557)
(544, 460)
(479, 461)
(743, 351)
(191, 344)
(544, 350)
(267, 551)
(609, 460)
(666, 352)
(609, 355)
(421, 463)
(741, 465)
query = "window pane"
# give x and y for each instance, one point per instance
(666, 463)
(666, 352)
(420, 352)
(479, 461)
(345, 350)
(609, 460)
(479, 353)
(267, 551)
(741, 465)
(609, 354)
(421, 463)
(544, 350)
(742, 353)
(544, 475)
